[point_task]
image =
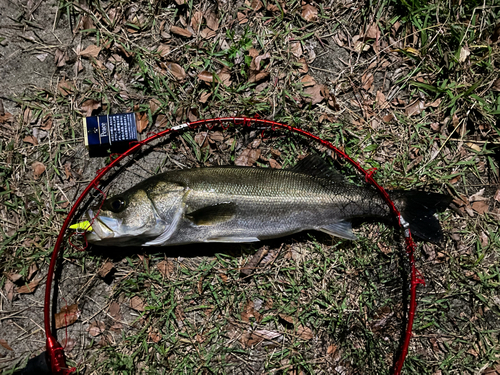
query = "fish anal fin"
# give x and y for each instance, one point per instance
(210, 215)
(232, 239)
(342, 229)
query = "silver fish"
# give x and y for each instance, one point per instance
(244, 204)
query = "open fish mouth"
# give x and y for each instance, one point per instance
(101, 227)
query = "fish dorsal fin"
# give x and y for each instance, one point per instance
(315, 166)
(342, 229)
(210, 215)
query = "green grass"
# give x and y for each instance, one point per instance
(349, 295)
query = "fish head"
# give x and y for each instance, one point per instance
(127, 219)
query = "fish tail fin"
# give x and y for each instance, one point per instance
(418, 209)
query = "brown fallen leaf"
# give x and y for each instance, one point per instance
(96, 328)
(30, 139)
(38, 169)
(315, 94)
(105, 269)
(180, 31)
(5, 345)
(256, 5)
(154, 336)
(166, 267)
(251, 339)
(30, 287)
(242, 18)
(274, 164)
(480, 207)
(90, 51)
(367, 81)
(212, 20)
(163, 50)
(304, 332)
(296, 49)
(415, 108)
(250, 312)
(60, 58)
(161, 121)
(307, 81)
(309, 13)
(68, 344)
(176, 70)
(196, 20)
(225, 76)
(114, 310)
(248, 157)
(373, 31)
(137, 303)
(154, 105)
(32, 270)
(117, 327)
(206, 76)
(141, 121)
(13, 276)
(9, 290)
(496, 85)
(464, 53)
(90, 105)
(65, 87)
(204, 97)
(67, 316)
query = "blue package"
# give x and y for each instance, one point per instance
(109, 133)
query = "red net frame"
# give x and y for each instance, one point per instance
(54, 349)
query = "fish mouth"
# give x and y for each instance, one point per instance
(101, 227)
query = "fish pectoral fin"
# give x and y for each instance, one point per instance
(167, 232)
(232, 239)
(210, 215)
(342, 229)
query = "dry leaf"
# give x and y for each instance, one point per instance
(161, 121)
(90, 105)
(464, 53)
(105, 269)
(303, 66)
(225, 76)
(373, 32)
(32, 270)
(30, 287)
(180, 31)
(117, 327)
(367, 81)
(30, 139)
(154, 336)
(307, 81)
(38, 169)
(309, 13)
(176, 70)
(60, 58)
(242, 18)
(141, 121)
(274, 164)
(154, 105)
(68, 344)
(296, 49)
(5, 345)
(206, 76)
(304, 332)
(96, 328)
(90, 51)
(496, 85)
(212, 21)
(163, 50)
(480, 207)
(114, 310)
(65, 87)
(137, 303)
(67, 316)
(166, 268)
(253, 338)
(381, 101)
(415, 108)
(388, 118)
(315, 94)
(9, 290)
(256, 5)
(13, 276)
(248, 157)
(204, 97)
(196, 20)
(180, 2)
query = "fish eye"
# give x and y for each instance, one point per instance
(117, 205)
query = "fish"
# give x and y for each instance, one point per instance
(235, 204)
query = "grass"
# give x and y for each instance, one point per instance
(323, 305)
